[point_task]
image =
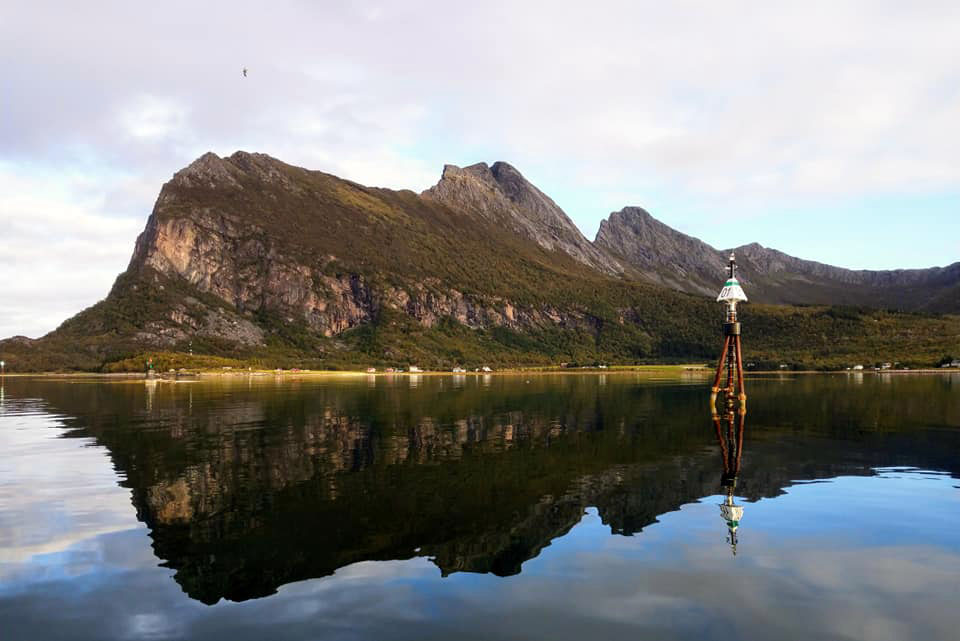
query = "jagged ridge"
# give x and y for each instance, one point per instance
(667, 256)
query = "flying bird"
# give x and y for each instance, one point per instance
(244, 72)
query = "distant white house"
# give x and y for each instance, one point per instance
(458, 370)
(414, 368)
(857, 368)
(485, 369)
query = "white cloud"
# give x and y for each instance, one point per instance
(150, 118)
(59, 252)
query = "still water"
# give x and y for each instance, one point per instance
(479, 507)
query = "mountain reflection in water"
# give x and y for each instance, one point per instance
(247, 485)
(613, 505)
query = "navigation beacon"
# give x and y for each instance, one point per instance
(731, 357)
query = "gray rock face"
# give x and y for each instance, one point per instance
(248, 271)
(503, 195)
(661, 253)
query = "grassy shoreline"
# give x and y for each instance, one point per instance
(679, 369)
(362, 372)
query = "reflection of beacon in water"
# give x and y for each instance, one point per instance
(729, 429)
(151, 385)
(732, 514)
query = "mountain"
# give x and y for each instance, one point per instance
(682, 262)
(661, 253)
(781, 278)
(503, 196)
(250, 259)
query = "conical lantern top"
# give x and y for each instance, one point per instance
(732, 292)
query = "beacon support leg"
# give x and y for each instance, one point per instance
(742, 395)
(716, 379)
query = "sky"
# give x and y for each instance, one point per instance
(827, 130)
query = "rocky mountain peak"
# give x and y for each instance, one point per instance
(209, 171)
(263, 168)
(663, 254)
(476, 176)
(522, 192)
(511, 181)
(636, 218)
(502, 194)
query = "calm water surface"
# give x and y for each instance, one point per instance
(478, 507)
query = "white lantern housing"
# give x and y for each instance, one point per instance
(731, 292)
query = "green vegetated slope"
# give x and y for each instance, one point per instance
(255, 212)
